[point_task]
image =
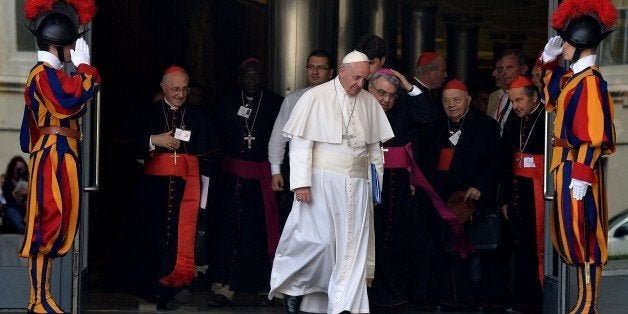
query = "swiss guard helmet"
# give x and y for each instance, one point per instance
(584, 23)
(57, 22)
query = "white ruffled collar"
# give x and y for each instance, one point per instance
(45, 56)
(583, 63)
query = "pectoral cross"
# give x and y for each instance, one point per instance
(175, 156)
(249, 139)
(384, 150)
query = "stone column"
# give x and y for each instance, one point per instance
(418, 32)
(383, 23)
(298, 27)
(462, 45)
(352, 23)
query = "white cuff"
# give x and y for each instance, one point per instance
(151, 146)
(415, 91)
(275, 169)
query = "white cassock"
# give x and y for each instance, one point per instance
(326, 249)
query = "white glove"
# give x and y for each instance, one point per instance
(80, 53)
(578, 188)
(553, 48)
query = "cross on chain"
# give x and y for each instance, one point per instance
(249, 139)
(175, 156)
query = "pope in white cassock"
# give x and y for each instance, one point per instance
(326, 249)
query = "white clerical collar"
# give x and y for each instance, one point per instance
(171, 106)
(583, 63)
(45, 56)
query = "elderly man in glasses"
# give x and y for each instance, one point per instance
(171, 136)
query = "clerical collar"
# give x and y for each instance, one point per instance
(538, 105)
(171, 106)
(583, 63)
(424, 85)
(47, 57)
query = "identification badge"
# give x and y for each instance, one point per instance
(182, 135)
(244, 112)
(528, 162)
(454, 138)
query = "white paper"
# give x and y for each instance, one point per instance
(528, 162)
(454, 138)
(244, 112)
(204, 190)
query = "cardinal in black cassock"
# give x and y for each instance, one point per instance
(520, 193)
(460, 153)
(173, 138)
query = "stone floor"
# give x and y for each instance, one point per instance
(613, 299)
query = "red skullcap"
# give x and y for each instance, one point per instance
(520, 81)
(455, 84)
(385, 71)
(426, 58)
(173, 69)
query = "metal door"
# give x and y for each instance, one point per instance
(91, 178)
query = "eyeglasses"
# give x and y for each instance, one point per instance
(456, 100)
(316, 67)
(382, 93)
(176, 90)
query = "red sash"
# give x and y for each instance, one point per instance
(536, 173)
(162, 164)
(444, 159)
(260, 171)
(402, 157)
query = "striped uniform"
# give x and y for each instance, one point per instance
(55, 99)
(583, 132)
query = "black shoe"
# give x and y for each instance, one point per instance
(168, 304)
(183, 296)
(219, 300)
(292, 304)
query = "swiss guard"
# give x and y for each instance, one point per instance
(50, 133)
(583, 133)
